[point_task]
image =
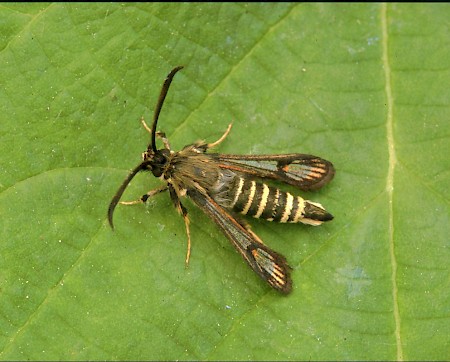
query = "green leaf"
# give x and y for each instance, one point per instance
(364, 86)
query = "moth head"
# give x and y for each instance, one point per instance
(156, 161)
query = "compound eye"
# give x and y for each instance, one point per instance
(159, 159)
(157, 171)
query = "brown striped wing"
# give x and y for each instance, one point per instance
(269, 265)
(306, 172)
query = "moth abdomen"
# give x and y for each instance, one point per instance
(260, 200)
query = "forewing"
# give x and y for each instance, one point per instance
(269, 265)
(306, 172)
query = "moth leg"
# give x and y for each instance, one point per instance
(183, 212)
(146, 196)
(163, 137)
(146, 125)
(214, 144)
(188, 252)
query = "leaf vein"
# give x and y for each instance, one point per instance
(390, 174)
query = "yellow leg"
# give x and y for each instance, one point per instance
(145, 125)
(146, 196)
(188, 253)
(183, 212)
(210, 145)
(163, 137)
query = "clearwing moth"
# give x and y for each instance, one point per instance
(224, 186)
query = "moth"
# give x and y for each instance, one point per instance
(226, 186)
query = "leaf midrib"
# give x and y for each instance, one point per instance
(390, 176)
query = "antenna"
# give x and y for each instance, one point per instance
(162, 97)
(144, 164)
